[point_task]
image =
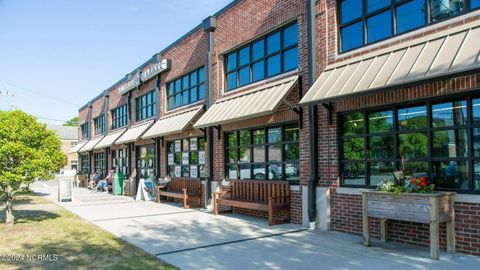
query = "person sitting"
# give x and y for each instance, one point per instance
(93, 181)
(103, 183)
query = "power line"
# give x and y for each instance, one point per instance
(40, 94)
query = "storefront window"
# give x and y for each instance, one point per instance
(186, 158)
(187, 89)
(263, 153)
(120, 116)
(120, 161)
(146, 106)
(99, 124)
(99, 164)
(431, 140)
(85, 163)
(146, 161)
(85, 128)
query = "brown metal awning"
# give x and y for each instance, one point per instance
(173, 123)
(134, 133)
(260, 101)
(90, 144)
(77, 147)
(108, 140)
(448, 52)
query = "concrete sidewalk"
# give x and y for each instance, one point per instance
(193, 239)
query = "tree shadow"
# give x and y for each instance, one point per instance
(29, 216)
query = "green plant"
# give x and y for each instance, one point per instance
(401, 183)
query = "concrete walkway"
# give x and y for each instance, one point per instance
(193, 239)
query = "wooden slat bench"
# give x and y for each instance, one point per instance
(185, 189)
(269, 196)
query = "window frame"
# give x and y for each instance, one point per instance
(392, 8)
(470, 159)
(146, 103)
(119, 116)
(85, 130)
(85, 163)
(200, 82)
(125, 169)
(266, 144)
(137, 160)
(189, 151)
(99, 163)
(99, 124)
(251, 62)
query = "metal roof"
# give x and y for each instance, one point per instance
(173, 123)
(90, 144)
(108, 140)
(134, 133)
(64, 132)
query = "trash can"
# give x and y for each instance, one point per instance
(117, 183)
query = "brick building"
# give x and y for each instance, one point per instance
(328, 95)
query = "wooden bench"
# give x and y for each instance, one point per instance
(269, 196)
(182, 189)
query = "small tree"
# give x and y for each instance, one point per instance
(28, 151)
(72, 122)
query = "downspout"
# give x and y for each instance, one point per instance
(90, 153)
(209, 25)
(131, 166)
(105, 113)
(157, 116)
(312, 116)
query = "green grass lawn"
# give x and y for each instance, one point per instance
(44, 228)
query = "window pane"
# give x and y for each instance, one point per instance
(291, 152)
(178, 84)
(244, 56)
(353, 124)
(450, 174)
(231, 61)
(232, 81)
(476, 175)
(244, 76)
(416, 169)
(273, 65)
(476, 142)
(380, 171)
(232, 156)
(259, 154)
(442, 9)
(380, 147)
(410, 15)
(476, 109)
(193, 94)
(232, 172)
(449, 114)
(194, 157)
(193, 78)
(413, 145)
(412, 118)
(290, 36)
(274, 135)
(259, 136)
(349, 10)
(171, 88)
(380, 122)
(244, 154)
(259, 172)
(275, 171)
(258, 71)
(290, 59)
(450, 143)
(354, 149)
(244, 137)
(185, 145)
(185, 82)
(379, 26)
(185, 171)
(245, 171)
(178, 100)
(258, 49)
(475, 3)
(373, 5)
(201, 75)
(232, 139)
(351, 36)
(353, 173)
(201, 91)
(274, 153)
(273, 43)
(201, 143)
(292, 172)
(291, 132)
(186, 97)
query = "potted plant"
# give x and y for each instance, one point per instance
(411, 199)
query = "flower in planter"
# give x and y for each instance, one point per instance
(402, 183)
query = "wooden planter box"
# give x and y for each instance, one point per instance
(431, 208)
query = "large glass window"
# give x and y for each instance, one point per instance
(369, 21)
(120, 161)
(146, 165)
(146, 106)
(266, 57)
(99, 124)
(120, 116)
(99, 164)
(437, 140)
(263, 153)
(85, 128)
(85, 163)
(187, 89)
(186, 158)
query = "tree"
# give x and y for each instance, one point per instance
(28, 151)
(72, 122)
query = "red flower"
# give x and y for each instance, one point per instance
(413, 180)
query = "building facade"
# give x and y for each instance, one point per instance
(331, 96)
(69, 138)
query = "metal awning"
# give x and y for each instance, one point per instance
(108, 140)
(90, 144)
(173, 124)
(77, 147)
(260, 101)
(448, 52)
(134, 133)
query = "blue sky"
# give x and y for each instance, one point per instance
(56, 55)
